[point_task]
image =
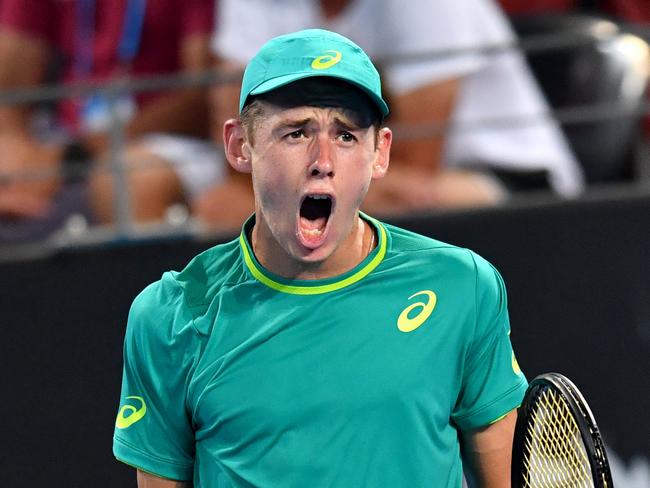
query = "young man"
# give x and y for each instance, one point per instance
(499, 139)
(322, 347)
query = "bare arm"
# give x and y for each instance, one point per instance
(182, 111)
(224, 97)
(22, 63)
(489, 451)
(146, 480)
(28, 169)
(226, 205)
(430, 105)
(418, 178)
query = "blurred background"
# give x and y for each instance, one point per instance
(522, 131)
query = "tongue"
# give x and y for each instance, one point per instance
(311, 225)
(312, 231)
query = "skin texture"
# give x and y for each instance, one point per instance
(153, 186)
(146, 480)
(28, 169)
(489, 451)
(308, 150)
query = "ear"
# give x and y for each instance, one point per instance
(236, 145)
(382, 153)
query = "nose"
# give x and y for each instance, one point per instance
(322, 159)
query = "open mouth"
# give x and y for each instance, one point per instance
(315, 211)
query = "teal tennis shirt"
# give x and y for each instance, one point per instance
(236, 377)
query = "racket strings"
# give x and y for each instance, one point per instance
(554, 453)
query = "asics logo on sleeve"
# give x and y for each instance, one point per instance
(129, 415)
(515, 365)
(409, 324)
(326, 60)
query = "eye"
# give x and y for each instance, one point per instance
(346, 136)
(296, 134)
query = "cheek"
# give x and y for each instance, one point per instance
(359, 174)
(273, 187)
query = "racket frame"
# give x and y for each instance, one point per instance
(585, 421)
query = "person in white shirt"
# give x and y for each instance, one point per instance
(445, 66)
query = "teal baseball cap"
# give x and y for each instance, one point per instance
(309, 53)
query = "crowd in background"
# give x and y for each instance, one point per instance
(472, 125)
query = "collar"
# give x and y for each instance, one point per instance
(313, 287)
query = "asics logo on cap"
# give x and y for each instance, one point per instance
(326, 61)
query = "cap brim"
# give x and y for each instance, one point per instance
(283, 80)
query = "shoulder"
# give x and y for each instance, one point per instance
(243, 26)
(208, 272)
(420, 247)
(463, 264)
(174, 303)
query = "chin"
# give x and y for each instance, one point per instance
(313, 256)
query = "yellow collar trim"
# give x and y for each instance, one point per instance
(318, 289)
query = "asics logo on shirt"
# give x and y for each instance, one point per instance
(515, 365)
(405, 323)
(129, 415)
(326, 60)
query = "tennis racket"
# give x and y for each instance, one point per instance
(557, 443)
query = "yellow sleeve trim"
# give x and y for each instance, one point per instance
(149, 472)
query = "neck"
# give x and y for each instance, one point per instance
(353, 250)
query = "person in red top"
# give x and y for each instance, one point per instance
(630, 10)
(100, 40)
(517, 7)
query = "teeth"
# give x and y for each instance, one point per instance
(312, 232)
(319, 197)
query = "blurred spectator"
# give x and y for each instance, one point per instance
(500, 132)
(635, 12)
(630, 10)
(99, 40)
(517, 7)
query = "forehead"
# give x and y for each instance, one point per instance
(325, 93)
(303, 115)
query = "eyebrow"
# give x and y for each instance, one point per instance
(291, 123)
(340, 122)
(346, 124)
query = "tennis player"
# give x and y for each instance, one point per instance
(322, 348)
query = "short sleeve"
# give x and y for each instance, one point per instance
(153, 429)
(492, 383)
(448, 36)
(243, 26)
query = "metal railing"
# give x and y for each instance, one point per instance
(111, 90)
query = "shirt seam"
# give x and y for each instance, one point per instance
(493, 402)
(152, 456)
(147, 470)
(493, 337)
